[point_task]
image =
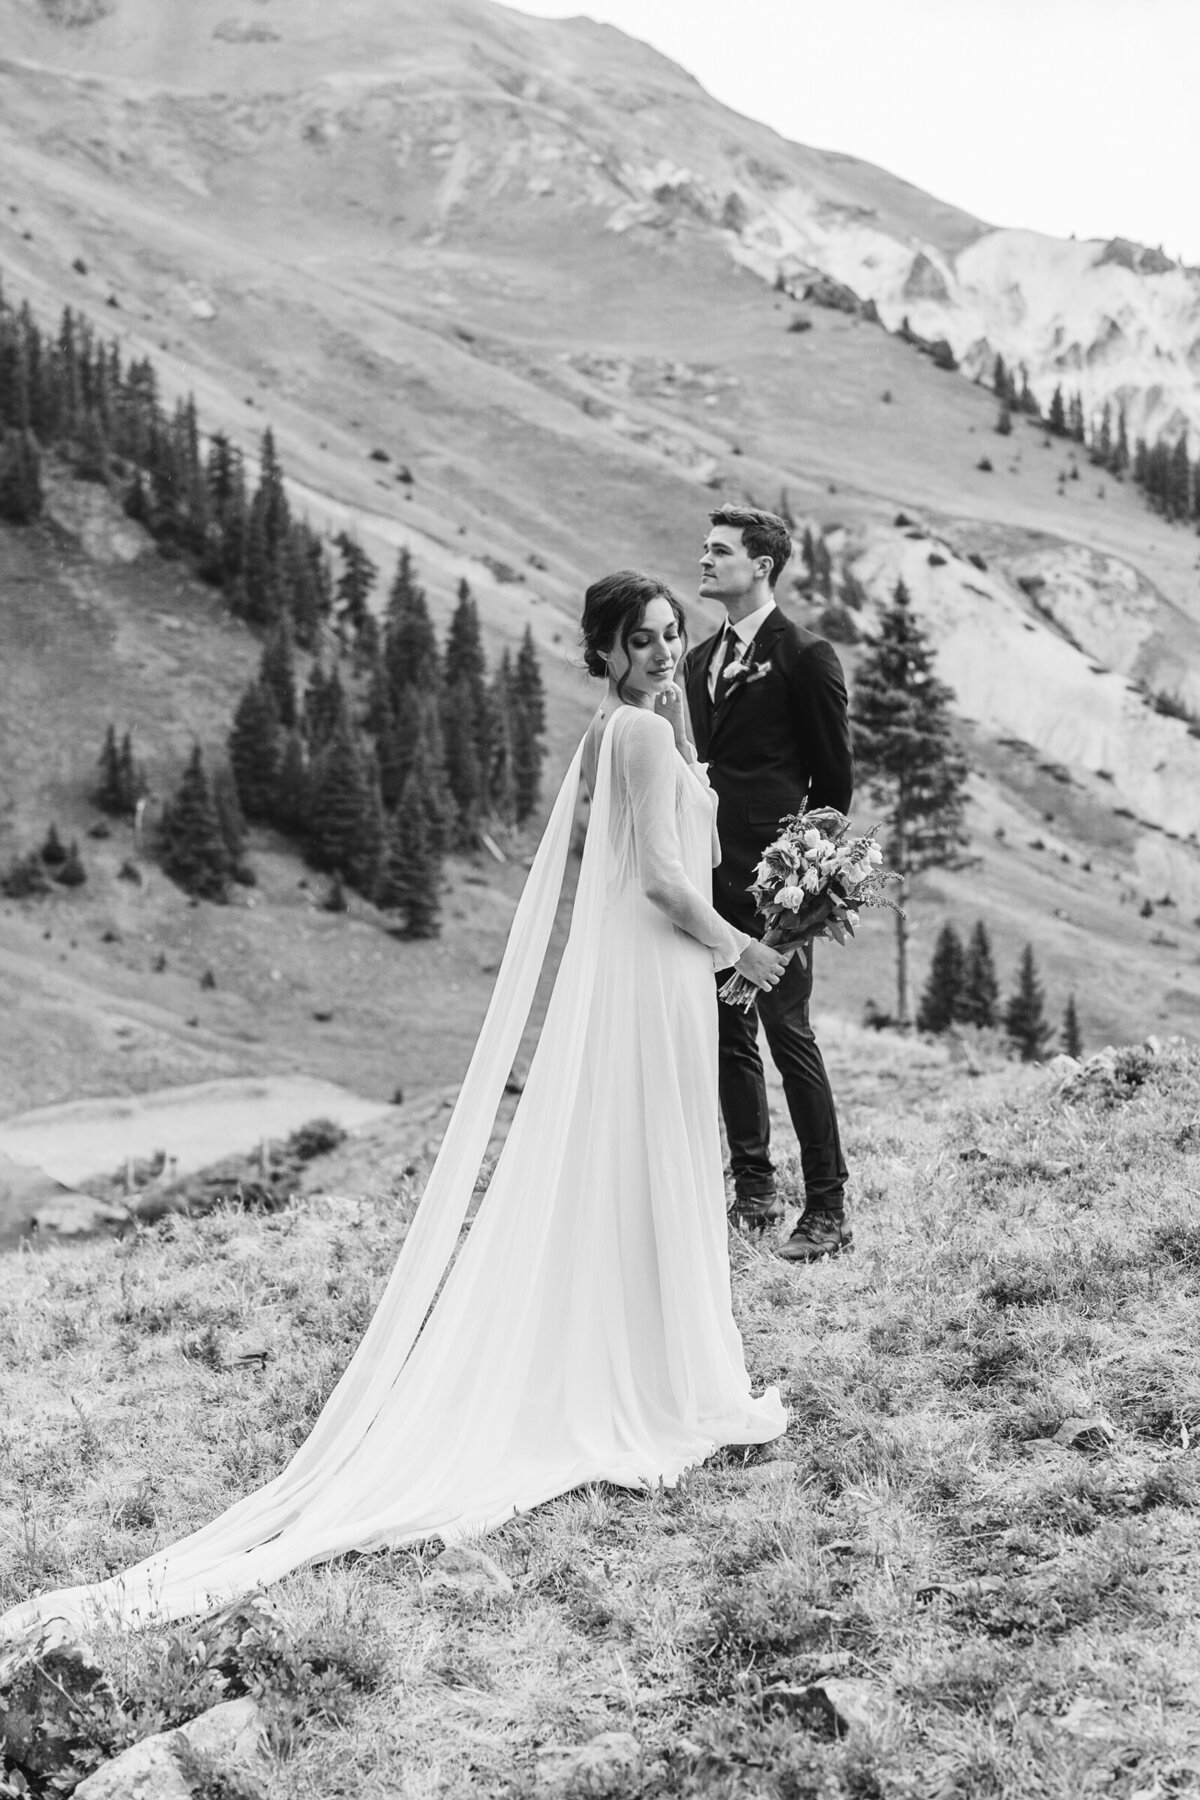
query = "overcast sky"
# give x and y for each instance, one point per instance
(1060, 115)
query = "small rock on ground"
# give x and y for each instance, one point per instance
(595, 1767)
(471, 1573)
(1085, 1434)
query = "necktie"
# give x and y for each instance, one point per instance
(726, 651)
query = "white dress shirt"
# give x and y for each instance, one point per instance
(743, 631)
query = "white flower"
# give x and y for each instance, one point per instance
(874, 856)
(791, 896)
(851, 917)
(810, 881)
(812, 838)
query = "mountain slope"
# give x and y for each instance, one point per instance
(526, 260)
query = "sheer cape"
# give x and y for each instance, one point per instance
(584, 1331)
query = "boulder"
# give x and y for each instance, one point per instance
(228, 1736)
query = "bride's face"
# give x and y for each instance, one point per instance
(650, 654)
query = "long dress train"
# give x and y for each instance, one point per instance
(584, 1332)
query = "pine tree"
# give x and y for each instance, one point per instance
(71, 872)
(1177, 499)
(93, 457)
(261, 589)
(53, 851)
(277, 671)
(107, 795)
(255, 747)
(355, 583)
(410, 645)
(466, 667)
(193, 848)
(121, 784)
(822, 567)
(426, 773)
(341, 825)
(368, 852)
(325, 712)
(1004, 423)
(940, 1003)
(411, 878)
(1072, 1040)
(464, 773)
(308, 582)
(1102, 441)
(980, 989)
(907, 757)
(1024, 1015)
(527, 718)
(233, 825)
(132, 775)
(1056, 418)
(808, 556)
(290, 805)
(21, 496)
(501, 780)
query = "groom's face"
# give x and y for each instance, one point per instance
(727, 570)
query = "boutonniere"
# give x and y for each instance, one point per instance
(745, 672)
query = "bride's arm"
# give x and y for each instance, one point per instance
(649, 767)
(674, 708)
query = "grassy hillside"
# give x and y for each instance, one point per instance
(996, 1612)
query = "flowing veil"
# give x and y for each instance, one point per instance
(216, 1559)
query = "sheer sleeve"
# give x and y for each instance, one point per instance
(647, 760)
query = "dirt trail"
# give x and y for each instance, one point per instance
(197, 1125)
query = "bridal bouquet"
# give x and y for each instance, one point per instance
(811, 883)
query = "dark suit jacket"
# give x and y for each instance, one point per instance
(774, 740)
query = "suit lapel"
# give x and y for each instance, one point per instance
(761, 645)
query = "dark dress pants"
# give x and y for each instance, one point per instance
(743, 1091)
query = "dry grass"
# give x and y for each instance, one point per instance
(1024, 1616)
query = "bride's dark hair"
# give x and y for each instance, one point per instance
(613, 608)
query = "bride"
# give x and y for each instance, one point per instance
(584, 1332)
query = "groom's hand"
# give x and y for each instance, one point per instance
(762, 965)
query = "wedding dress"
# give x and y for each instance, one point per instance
(584, 1332)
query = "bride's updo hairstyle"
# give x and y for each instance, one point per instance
(613, 608)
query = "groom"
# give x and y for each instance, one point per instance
(768, 707)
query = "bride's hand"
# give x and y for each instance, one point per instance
(670, 706)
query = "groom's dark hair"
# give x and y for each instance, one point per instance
(763, 533)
